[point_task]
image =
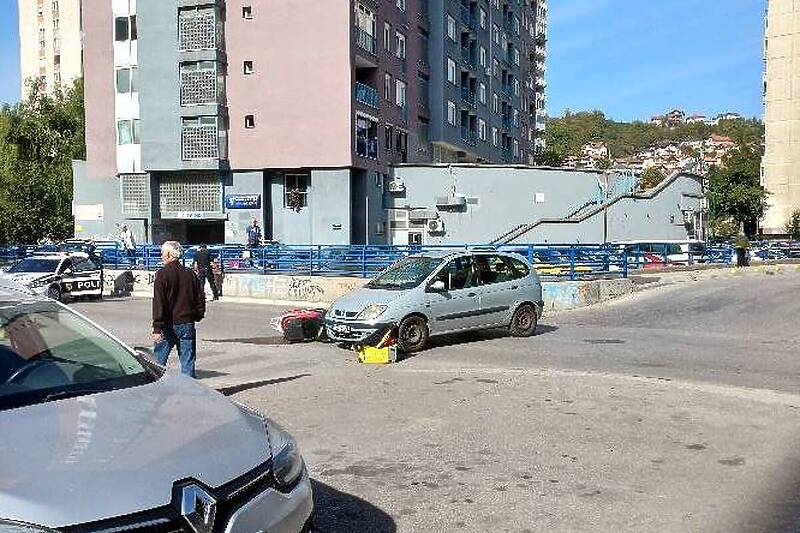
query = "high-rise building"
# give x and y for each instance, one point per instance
(50, 42)
(781, 169)
(204, 114)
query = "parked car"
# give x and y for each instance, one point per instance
(671, 252)
(434, 294)
(98, 438)
(59, 275)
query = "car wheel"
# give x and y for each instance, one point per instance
(54, 293)
(412, 335)
(523, 323)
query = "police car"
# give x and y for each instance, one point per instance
(59, 275)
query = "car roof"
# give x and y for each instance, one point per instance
(58, 255)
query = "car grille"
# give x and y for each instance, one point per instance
(230, 497)
(345, 314)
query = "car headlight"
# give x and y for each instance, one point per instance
(287, 463)
(371, 312)
(40, 283)
(7, 526)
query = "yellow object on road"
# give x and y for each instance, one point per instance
(377, 356)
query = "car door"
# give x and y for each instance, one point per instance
(86, 276)
(456, 307)
(498, 288)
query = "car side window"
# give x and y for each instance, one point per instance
(66, 265)
(490, 269)
(457, 274)
(518, 269)
(81, 265)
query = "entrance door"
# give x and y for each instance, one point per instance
(205, 232)
(415, 238)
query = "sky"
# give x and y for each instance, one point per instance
(628, 58)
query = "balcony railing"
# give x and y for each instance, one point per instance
(364, 40)
(468, 96)
(468, 56)
(507, 122)
(468, 17)
(367, 95)
(366, 147)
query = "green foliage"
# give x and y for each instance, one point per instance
(549, 158)
(793, 225)
(39, 138)
(566, 135)
(735, 192)
(651, 178)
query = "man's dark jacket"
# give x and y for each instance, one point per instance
(177, 297)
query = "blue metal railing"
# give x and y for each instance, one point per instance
(552, 261)
(367, 95)
(364, 40)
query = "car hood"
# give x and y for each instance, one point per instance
(357, 300)
(96, 457)
(26, 278)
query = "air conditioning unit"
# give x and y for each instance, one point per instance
(397, 185)
(436, 226)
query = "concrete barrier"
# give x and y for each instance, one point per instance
(318, 290)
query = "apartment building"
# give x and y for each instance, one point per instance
(50, 42)
(205, 114)
(781, 166)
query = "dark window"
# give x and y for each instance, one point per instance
(66, 265)
(388, 139)
(121, 29)
(249, 121)
(134, 29)
(296, 184)
(458, 274)
(247, 12)
(519, 268)
(491, 269)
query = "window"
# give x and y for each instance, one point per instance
(400, 93)
(128, 131)
(516, 56)
(121, 29)
(366, 137)
(516, 148)
(388, 137)
(387, 36)
(458, 274)
(401, 4)
(295, 191)
(495, 67)
(483, 18)
(516, 118)
(247, 12)
(482, 129)
(400, 45)
(247, 67)
(451, 28)
(495, 103)
(482, 93)
(387, 87)
(516, 87)
(127, 80)
(516, 25)
(134, 28)
(451, 113)
(495, 136)
(496, 33)
(249, 122)
(452, 71)
(482, 57)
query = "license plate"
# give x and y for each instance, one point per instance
(341, 328)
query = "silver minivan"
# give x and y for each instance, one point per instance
(435, 294)
(96, 438)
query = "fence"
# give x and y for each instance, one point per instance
(552, 261)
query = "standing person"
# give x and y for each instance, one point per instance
(253, 234)
(178, 304)
(128, 243)
(204, 270)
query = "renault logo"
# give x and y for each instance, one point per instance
(199, 509)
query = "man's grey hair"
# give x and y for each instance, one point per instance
(172, 249)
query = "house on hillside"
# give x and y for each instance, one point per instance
(696, 119)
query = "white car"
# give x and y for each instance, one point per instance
(59, 275)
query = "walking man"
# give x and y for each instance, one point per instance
(128, 243)
(204, 270)
(253, 234)
(178, 303)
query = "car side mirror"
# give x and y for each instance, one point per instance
(437, 286)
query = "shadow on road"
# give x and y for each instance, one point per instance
(235, 389)
(338, 512)
(473, 337)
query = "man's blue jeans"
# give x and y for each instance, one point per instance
(184, 336)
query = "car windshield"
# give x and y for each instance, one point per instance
(48, 353)
(406, 274)
(35, 265)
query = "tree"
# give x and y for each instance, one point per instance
(549, 158)
(735, 191)
(651, 178)
(39, 138)
(793, 225)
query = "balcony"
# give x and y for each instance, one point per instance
(507, 122)
(468, 17)
(365, 41)
(367, 147)
(367, 95)
(468, 56)
(468, 136)
(507, 91)
(468, 96)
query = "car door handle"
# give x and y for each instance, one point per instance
(472, 295)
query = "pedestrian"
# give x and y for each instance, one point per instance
(128, 243)
(253, 234)
(178, 304)
(205, 270)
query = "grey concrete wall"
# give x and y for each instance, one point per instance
(367, 207)
(329, 198)
(159, 91)
(506, 197)
(287, 226)
(239, 219)
(93, 191)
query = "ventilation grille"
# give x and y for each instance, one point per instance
(198, 87)
(200, 138)
(197, 29)
(135, 190)
(190, 193)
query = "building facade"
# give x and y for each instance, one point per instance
(50, 42)
(781, 167)
(205, 114)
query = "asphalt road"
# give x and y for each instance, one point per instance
(677, 409)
